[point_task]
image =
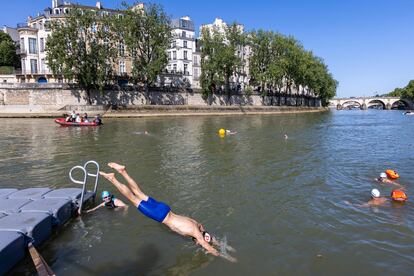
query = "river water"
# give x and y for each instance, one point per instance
(280, 203)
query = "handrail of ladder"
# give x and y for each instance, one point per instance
(83, 183)
(96, 175)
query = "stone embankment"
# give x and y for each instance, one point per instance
(53, 100)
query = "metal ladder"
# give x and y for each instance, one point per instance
(83, 182)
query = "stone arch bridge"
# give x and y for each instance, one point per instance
(371, 102)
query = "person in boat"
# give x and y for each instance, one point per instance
(162, 213)
(110, 202)
(383, 179)
(71, 117)
(78, 118)
(85, 118)
(98, 120)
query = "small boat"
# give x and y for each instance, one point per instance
(62, 122)
(408, 113)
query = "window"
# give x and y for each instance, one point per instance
(185, 55)
(175, 67)
(183, 34)
(22, 45)
(174, 55)
(169, 55)
(33, 66)
(121, 49)
(185, 44)
(174, 43)
(122, 67)
(42, 45)
(185, 69)
(32, 46)
(24, 66)
(195, 72)
(42, 66)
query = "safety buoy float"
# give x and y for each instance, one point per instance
(398, 195)
(392, 174)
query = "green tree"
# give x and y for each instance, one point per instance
(281, 63)
(220, 57)
(8, 56)
(146, 33)
(81, 49)
(408, 91)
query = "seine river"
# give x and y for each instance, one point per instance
(279, 202)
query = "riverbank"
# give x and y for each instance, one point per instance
(168, 110)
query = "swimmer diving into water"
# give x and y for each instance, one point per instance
(161, 212)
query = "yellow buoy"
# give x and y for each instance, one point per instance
(222, 131)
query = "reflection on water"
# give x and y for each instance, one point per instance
(279, 202)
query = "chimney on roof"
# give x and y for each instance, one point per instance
(99, 5)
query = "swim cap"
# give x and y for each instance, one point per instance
(207, 237)
(398, 195)
(375, 193)
(383, 175)
(105, 194)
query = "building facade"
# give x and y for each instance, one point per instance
(179, 70)
(241, 80)
(34, 34)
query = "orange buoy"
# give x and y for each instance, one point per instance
(398, 195)
(392, 174)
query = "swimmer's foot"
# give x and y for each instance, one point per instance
(117, 167)
(109, 176)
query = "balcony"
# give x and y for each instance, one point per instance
(175, 72)
(189, 37)
(21, 51)
(34, 72)
(22, 25)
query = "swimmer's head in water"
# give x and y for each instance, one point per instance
(375, 193)
(383, 175)
(105, 194)
(207, 237)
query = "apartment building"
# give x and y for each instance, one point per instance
(33, 36)
(241, 80)
(179, 70)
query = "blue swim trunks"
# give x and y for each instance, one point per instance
(154, 209)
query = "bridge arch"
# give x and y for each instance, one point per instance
(351, 104)
(376, 104)
(401, 104)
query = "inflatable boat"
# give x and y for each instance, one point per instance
(62, 122)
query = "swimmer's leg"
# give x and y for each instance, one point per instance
(131, 182)
(122, 188)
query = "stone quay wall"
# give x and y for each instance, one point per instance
(29, 98)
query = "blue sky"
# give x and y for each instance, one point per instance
(367, 44)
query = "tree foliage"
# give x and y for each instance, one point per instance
(8, 55)
(280, 63)
(219, 59)
(81, 49)
(146, 33)
(405, 92)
